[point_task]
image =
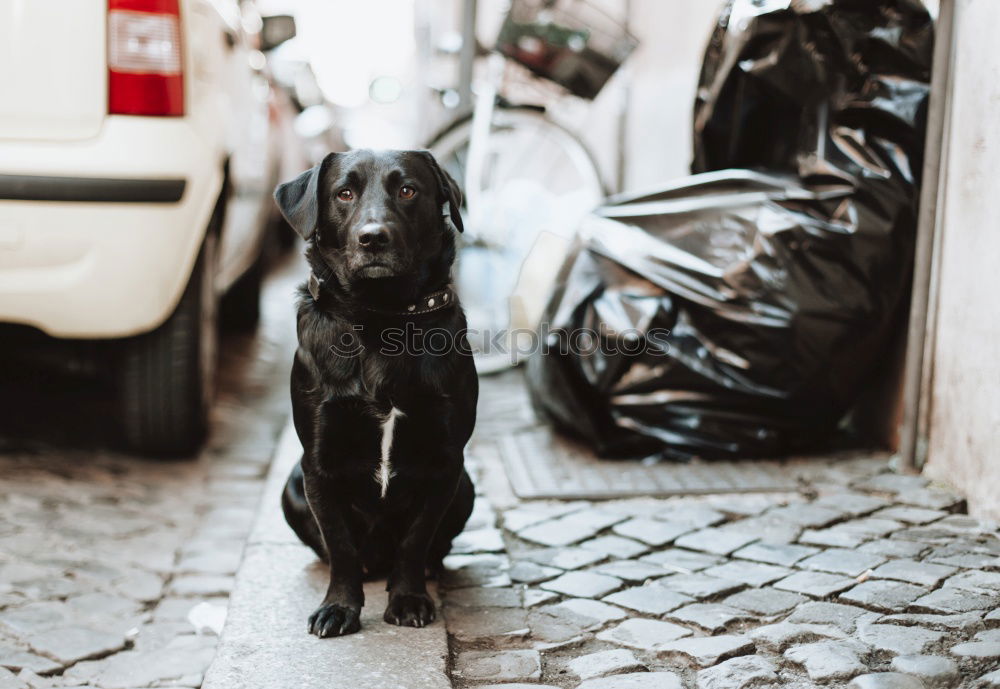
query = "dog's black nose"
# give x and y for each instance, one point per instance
(374, 236)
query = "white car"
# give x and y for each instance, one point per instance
(136, 170)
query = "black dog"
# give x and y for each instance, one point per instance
(383, 412)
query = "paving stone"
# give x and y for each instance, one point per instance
(988, 635)
(201, 585)
(929, 498)
(765, 602)
(681, 561)
(14, 658)
(992, 619)
(913, 572)
(484, 597)
(976, 581)
(699, 585)
(766, 527)
(716, 541)
(885, 680)
(604, 663)
(516, 685)
(884, 595)
(591, 614)
(635, 680)
(936, 672)
(890, 483)
(629, 570)
(961, 560)
(954, 600)
(615, 546)
(535, 597)
(910, 515)
(826, 661)
(965, 622)
(558, 532)
(743, 672)
(775, 638)
(220, 560)
(815, 584)
(785, 554)
(989, 680)
(893, 547)
(563, 558)
(977, 650)
(650, 599)
(750, 573)
(897, 640)
(706, 651)
(70, 644)
(8, 680)
(525, 572)
(844, 617)
(598, 517)
(651, 531)
(34, 617)
(553, 629)
(931, 534)
(475, 570)
(695, 516)
(850, 534)
(487, 540)
(851, 563)
(643, 635)
(490, 624)
(854, 504)
(183, 658)
(806, 514)
(964, 524)
(505, 666)
(583, 584)
(523, 517)
(712, 617)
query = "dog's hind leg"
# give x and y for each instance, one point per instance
(297, 512)
(453, 522)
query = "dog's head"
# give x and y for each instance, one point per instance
(376, 215)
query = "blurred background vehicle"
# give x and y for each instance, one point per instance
(136, 167)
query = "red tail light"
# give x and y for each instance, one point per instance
(145, 67)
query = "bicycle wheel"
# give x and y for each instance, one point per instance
(538, 182)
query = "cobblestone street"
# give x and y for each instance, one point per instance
(863, 578)
(115, 570)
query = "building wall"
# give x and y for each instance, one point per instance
(964, 432)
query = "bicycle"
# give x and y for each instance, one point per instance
(528, 179)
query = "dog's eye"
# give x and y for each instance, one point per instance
(407, 192)
(345, 195)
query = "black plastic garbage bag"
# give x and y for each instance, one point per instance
(739, 312)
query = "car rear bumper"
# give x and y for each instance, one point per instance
(98, 238)
(90, 189)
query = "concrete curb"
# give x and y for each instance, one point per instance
(265, 644)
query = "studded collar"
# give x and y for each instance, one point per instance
(428, 303)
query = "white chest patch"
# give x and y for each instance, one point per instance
(384, 472)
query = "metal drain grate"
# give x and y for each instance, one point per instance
(542, 464)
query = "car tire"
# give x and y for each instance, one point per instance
(241, 304)
(167, 376)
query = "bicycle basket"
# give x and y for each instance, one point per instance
(573, 43)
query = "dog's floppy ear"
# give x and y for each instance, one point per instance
(449, 193)
(298, 200)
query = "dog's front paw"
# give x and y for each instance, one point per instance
(410, 610)
(334, 620)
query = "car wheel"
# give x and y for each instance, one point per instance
(167, 376)
(241, 304)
